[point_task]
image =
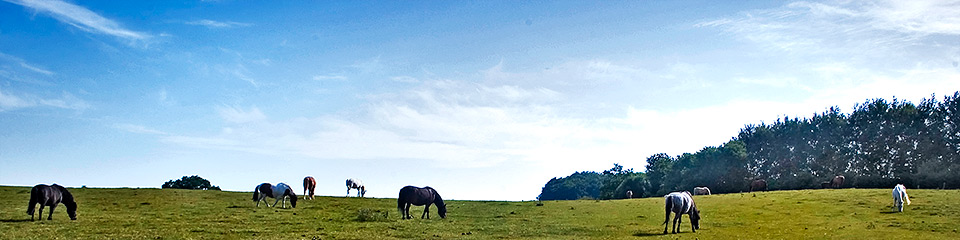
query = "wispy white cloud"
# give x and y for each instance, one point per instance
(238, 71)
(139, 129)
(239, 115)
(855, 26)
(4, 58)
(81, 17)
(217, 24)
(329, 77)
(9, 101)
(405, 79)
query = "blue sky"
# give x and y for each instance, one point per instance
(478, 99)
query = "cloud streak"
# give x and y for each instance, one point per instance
(81, 18)
(217, 24)
(9, 102)
(859, 27)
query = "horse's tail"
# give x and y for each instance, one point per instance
(906, 197)
(400, 204)
(668, 206)
(256, 193)
(34, 199)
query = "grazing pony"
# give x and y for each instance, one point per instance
(900, 196)
(837, 181)
(51, 196)
(356, 184)
(281, 191)
(629, 194)
(758, 185)
(420, 197)
(309, 184)
(701, 191)
(681, 203)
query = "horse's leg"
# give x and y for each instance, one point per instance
(50, 214)
(426, 211)
(275, 202)
(676, 222)
(348, 191)
(406, 211)
(40, 214)
(666, 222)
(692, 229)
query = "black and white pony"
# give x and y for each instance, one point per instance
(281, 191)
(51, 196)
(681, 203)
(356, 184)
(899, 197)
(411, 195)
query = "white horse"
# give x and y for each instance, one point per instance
(281, 191)
(356, 184)
(900, 196)
(701, 191)
(681, 203)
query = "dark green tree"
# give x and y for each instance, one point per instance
(579, 185)
(191, 182)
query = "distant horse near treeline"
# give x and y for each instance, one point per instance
(425, 196)
(51, 196)
(758, 185)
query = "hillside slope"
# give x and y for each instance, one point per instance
(186, 214)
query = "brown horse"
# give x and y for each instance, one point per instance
(837, 181)
(758, 185)
(309, 184)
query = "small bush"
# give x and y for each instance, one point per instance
(370, 215)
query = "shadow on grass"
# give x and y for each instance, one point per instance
(15, 220)
(647, 234)
(889, 212)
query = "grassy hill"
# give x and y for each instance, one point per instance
(185, 214)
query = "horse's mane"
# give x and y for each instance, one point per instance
(66, 197)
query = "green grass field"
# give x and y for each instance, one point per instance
(184, 214)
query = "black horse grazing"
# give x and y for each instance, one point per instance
(420, 197)
(51, 196)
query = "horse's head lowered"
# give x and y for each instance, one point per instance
(695, 218)
(293, 197)
(68, 201)
(442, 210)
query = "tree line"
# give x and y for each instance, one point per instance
(881, 143)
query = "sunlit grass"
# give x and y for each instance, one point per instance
(191, 214)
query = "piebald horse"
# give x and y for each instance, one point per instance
(681, 203)
(281, 191)
(309, 184)
(411, 195)
(51, 196)
(899, 197)
(356, 184)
